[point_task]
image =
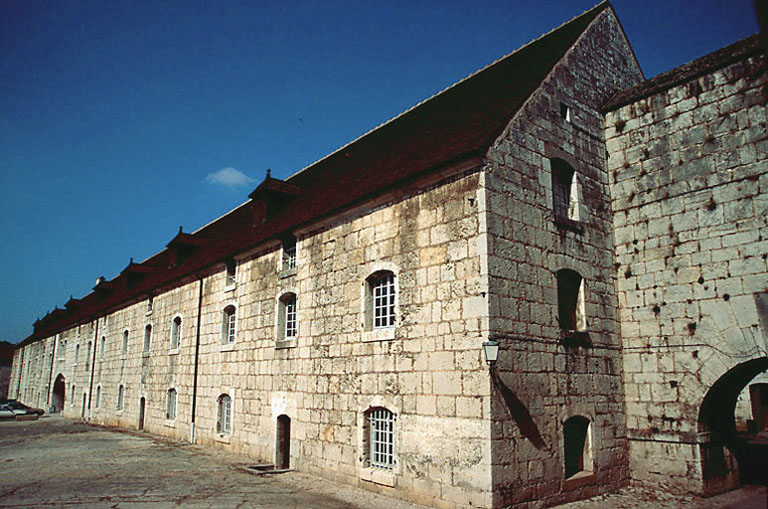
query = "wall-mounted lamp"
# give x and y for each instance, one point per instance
(491, 351)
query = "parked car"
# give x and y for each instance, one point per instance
(6, 412)
(22, 409)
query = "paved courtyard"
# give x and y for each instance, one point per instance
(56, 462)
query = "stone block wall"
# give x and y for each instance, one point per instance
(688, 170)
(526, 248)
(427, 369)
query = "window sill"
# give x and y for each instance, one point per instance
(174, 351)
(572, 338)
(578, 480)
(148, 313)
(230, 288)
(286, 343)
(220, 437)
(568, 224)
(385, 334)
(378, 476)
(284, 273)
(228, 347)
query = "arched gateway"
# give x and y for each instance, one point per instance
(727, 456)
(58, 398)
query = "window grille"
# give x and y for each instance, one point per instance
(383, 293)
(290, 317)
(228, 325)
(381, 438)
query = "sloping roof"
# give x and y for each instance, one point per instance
(459, 122)
(686, 72)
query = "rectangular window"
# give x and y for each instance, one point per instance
(289, 257)
(231, 274)
(383, 290)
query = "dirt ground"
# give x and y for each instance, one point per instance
(55, 462)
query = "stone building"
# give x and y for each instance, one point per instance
(609, 232)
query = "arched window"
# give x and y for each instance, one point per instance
(570, 301)
(121, 397)
(565, 191)
(170, 412)
(224, 420)
(380, 438)
(103, 346)
(577, 446)
(228, 322)
(147, 337)
(380, 298)
(176, 333)
(124, 346)
(287, 323)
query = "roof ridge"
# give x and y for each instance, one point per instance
(685, 72)
(600, 5)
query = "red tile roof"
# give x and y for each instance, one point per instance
(458, 123)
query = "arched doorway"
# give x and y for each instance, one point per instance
(283, 445)
(729, 457)
(59, 394)
(142, 405)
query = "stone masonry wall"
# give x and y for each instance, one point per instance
(689, 182)
(526, 249)
(428, 369)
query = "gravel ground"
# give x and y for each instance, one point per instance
(55, 462)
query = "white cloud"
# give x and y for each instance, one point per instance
(229, 177)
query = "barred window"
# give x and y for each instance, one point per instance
(224, 421)
(176, 333)
(229, 320)
(381, 438)
(382, 295)
(170, 412)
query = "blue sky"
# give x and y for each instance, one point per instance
(121, 121)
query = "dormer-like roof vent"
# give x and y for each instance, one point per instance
(182, 246)
(271, 197)
(135, 272)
